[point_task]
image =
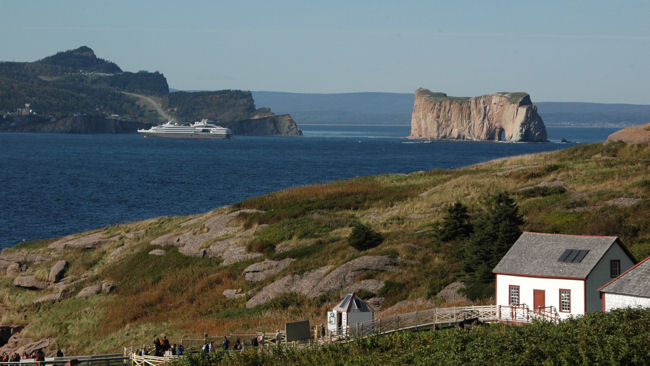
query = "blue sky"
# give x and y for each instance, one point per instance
(596, 51)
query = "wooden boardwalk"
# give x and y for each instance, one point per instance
(434, 318)
(422, 319)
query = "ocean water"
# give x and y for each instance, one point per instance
(55, 184)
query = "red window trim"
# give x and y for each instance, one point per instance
(518, 294)
(560, 300)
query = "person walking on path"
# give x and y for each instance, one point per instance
(238, 345)
(225, 344)
(157, 347)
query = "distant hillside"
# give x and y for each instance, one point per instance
(396, 108)
(75, 82)
(76, 92)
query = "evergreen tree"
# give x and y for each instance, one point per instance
(364, 237)
(494, 234)
(455, 224)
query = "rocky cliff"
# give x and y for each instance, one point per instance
(273, 125)
(497, 117)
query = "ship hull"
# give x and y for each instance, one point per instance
(206, 136)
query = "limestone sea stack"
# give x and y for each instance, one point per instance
(497, 117)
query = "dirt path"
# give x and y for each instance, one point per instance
(153, 103)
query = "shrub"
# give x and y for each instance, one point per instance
(541, 191)
(364, 237)
(260, 246)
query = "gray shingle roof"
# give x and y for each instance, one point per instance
(352, 304)
(635, 281)
(537, 254)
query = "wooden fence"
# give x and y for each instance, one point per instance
(94, 360)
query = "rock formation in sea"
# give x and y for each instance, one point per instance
(497, 117)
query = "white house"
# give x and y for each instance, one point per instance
(349, 314)
(630, 289)
(558, 275)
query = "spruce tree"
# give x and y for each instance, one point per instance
(494, 234)
(455, 225)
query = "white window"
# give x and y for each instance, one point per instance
(514, 295)
(565, 301)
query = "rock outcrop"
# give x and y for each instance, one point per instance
(321, 281)
(89, 291)
(30, 282)
(216, 238)
(233, 293)
(57, 271)
(262, 270)
(83, 242)
(632, 135)
(497, 117)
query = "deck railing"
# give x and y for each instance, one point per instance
(94, 360)
(522, 314)
(420, 319)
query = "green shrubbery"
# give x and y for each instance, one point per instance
(616, 338)
(363, 237)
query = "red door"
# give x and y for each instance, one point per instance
(539, 300)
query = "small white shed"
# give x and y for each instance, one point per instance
(630, 289)
(350, 314)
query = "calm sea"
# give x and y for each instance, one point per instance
(54, 184)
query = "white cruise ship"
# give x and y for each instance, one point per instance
(203, 129)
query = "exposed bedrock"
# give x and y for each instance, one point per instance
(324, 280)
(497, 117)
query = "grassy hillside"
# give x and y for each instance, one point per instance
(617, 338)
(75, 81)
(603, 191)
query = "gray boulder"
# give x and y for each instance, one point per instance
(453, 293)
(262, 270)
(89, 291)
(233, 293)
(14, 269)
(57, 271)
(49, 297)
(30, 282)
(158, 252)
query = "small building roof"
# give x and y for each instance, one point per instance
(556, 255)
(634, 282)
(352, 304)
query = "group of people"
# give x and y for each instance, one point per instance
(209, 346)
(163, 348)
(36, 355)
(14, 357)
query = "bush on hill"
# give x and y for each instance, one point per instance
(363, 237)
